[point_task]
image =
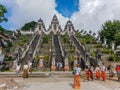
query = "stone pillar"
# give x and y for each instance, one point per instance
(75, 59)
(1, 55)
(113, 46)
(66, 66)
(105, 41)
(53, 66)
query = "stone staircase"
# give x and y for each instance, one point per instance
(29, 53)
(79, 47)
(58, 52)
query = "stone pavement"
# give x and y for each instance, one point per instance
(65, 84)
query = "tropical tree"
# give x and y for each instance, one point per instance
(29, 25)
(3, 10)
(110, 31)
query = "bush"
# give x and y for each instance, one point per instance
(104, 50)
(93, 53)
(46, 39)
(46, 57)
(113, 57)
(71, 58)
(71, 50)
(65, 39)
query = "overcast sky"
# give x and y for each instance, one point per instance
(85, 14)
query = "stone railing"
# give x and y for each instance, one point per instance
(61, 46)
(79, 43)
(34, 53)
(24, 53)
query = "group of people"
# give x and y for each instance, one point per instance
(26, 68)
(99, 72)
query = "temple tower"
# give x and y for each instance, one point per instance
(55, 27)
(41, 26)
(69, 28)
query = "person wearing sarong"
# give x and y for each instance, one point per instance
(76, 71)
(118, 71)
(97, 70)
(25, 71)
(103, 74)
(111, 73)
(87, 73)
(91, 72)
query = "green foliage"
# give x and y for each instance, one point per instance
(65, 39)
(46, 57)
(71, 50)
(24, 38)
(114, 57)
(3, 10)
(78, 34)
(46, 39)
(71, 58)
(29, 25)
(110, 30)
(105, 50)
(87, 39)
(99, 45)
(93, 53)
(8, 58)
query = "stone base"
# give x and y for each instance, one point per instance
(53, 68)
(66, 68)
(41, 65)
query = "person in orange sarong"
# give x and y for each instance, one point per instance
(97, 72)
(76, 72)
(103, 74)
(87, 73)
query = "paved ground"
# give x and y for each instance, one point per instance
(65, 84)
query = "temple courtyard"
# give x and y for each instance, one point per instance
(53, 81)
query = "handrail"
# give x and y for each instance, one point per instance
(24, 53)
(60, 46)
(34, 53)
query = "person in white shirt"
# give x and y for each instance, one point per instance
(18, 68)
(25, 70)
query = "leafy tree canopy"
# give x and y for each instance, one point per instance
(3, 10)
(29, 26)
(111, 30)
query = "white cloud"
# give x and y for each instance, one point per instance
(24, 11)
(92, 14)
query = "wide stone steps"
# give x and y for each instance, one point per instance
(56, 74)
(29, 54)
(38, 74)
(80, 48)
(58, 53)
